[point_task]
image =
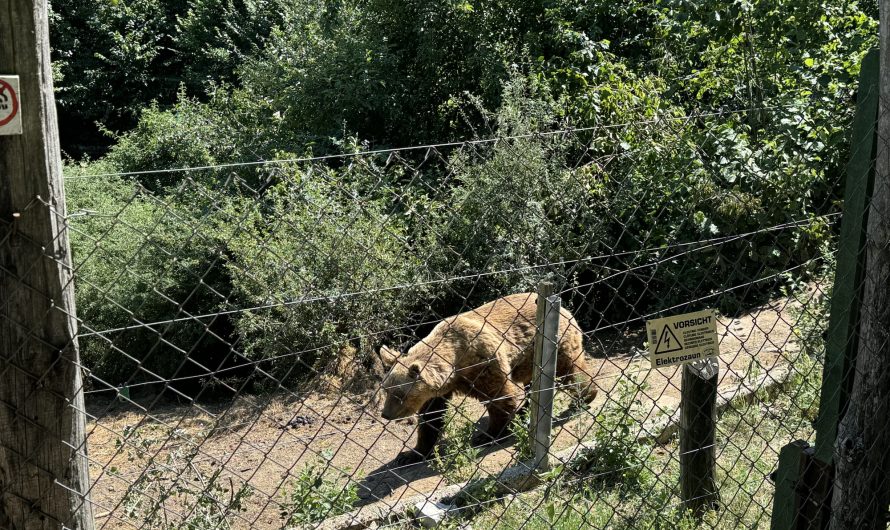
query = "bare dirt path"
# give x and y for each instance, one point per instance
(266, 441)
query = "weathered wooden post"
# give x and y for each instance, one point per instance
(862, 447)
(43, 467)
(544, 375)
(698, 427)
(805, 474)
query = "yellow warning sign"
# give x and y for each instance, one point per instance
(667, 342)
(682, 339)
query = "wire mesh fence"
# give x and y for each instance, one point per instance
(347, 341)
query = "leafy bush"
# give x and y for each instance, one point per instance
(217, 36)
(112, 59)
(519, 429)
(209, 501)
(314, 496)
(186, 136)
(327, 248)
(617, 458)
(325, 268)
(136, 263)
(456, 458)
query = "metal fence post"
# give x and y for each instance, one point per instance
(544, 375)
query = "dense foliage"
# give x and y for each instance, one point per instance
(112, 58)
(697, 120)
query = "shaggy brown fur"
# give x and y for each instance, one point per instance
(485, 353)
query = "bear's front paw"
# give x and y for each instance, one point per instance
(408, 458)
(484, 439)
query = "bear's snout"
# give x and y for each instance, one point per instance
(394, 409)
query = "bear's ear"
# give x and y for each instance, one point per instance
(414, 370)
(388, 356)
(427, 374)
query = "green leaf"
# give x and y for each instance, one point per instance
(551, 512)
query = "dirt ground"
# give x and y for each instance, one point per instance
(266, 441)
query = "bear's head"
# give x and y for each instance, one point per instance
(411, 381)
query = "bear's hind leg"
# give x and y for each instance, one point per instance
(572, 369)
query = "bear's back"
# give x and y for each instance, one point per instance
(505, 315)
(503, 328)
(506, 326)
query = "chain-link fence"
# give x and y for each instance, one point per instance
(347, 341)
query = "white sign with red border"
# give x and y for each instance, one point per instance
(10, 105)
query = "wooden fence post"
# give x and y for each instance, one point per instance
(698, 426)
(861, 491)
(544, 375)
(805, 475)
(44, 479)
(843, 321)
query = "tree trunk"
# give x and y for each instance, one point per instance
(862, 476)
(43, 467)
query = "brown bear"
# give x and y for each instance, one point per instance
(485, 353)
